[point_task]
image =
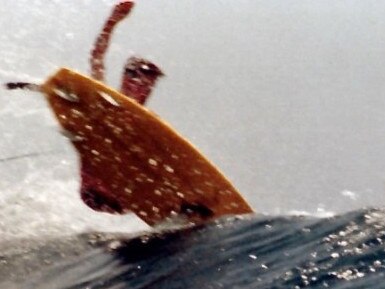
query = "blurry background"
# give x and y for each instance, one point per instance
(286, 97)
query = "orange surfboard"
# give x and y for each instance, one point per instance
(131, 160)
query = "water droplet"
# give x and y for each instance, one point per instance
(180, 195)
(343, 243)
(108, 98)
(76, 113)
(95, 152)
(335, 255)
(253, 257)
(143, 213)
(134, 206)
(210, 184)
(351, 195)
(135, 149)
(69, 35)
(66, 95)
(152, 162)
(117, 130)
(107, 140)
(157, 192)
(128, 190)
(87, 126)
(199, 191)
(168, 168)
(114, 245)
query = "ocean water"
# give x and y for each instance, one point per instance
(345, 251)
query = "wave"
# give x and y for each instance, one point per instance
(345, 251)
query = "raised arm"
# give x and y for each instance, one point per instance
(102, 42)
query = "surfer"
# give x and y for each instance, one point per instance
(131, 160)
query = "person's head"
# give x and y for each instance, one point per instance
(139, 77)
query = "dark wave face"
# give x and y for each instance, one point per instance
(346, 251)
